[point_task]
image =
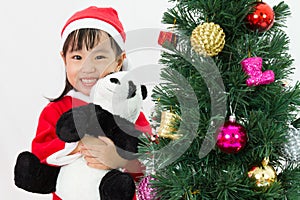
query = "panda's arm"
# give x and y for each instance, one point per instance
(72, 125)
(121, 131)
(93, 120)
(126, 138)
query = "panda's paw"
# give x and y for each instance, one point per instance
(71, 126)
(116, 185)
(33, 176)
(26, 168)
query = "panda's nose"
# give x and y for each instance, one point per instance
(115, 81)
(132, 90)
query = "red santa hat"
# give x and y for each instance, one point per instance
(105, 19)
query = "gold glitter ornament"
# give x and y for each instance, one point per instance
(167, 123)
(208, 39)
(263, 175)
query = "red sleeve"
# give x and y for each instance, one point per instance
(55, 197)
(135, 168)
(46, 141)
(143, 125)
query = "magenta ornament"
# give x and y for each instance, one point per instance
(253, 67)
(145, 191)
(232, 137)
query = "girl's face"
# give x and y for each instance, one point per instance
(84, 67)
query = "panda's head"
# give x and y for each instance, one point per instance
(120, 95)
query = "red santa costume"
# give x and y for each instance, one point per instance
(49, 148)
(46, 145)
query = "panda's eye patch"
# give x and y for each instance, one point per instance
(132, 90)
(115, 80)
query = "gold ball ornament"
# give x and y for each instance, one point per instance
(263, 175)
(208, 39)
(167, 125)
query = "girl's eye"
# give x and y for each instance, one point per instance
(76, 57)
(99, 57)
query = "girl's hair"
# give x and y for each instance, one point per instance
(84, 38)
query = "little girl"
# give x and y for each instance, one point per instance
(92, 47)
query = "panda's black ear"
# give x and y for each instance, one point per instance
(144, 91)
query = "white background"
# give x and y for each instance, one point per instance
(31, 67)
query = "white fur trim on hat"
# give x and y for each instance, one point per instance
(92, 23)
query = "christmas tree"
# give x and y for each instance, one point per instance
(225, 114)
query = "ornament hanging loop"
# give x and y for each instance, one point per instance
(232, 117)
(249, 52)
(265, 161)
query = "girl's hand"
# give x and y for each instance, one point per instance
(101, 153)
(92, 161)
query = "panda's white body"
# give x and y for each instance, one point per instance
(77, 181)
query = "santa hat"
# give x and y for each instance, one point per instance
(105, 19)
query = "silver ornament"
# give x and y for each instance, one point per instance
(291, 148)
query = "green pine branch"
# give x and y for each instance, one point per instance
(266, 111)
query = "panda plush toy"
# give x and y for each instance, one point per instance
(116, 104)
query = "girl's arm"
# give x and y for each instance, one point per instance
(102, 151)
(46, 142)
(46, 145)
(105, 156)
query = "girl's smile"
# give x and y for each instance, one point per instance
(89, 82)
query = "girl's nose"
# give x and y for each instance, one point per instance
(88, 67)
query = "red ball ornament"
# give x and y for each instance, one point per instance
(262, 18)
(232, 137)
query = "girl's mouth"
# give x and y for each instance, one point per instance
(89, 81)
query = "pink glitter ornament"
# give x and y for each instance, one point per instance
(253, 67)
(232, 137)
(145, 191)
